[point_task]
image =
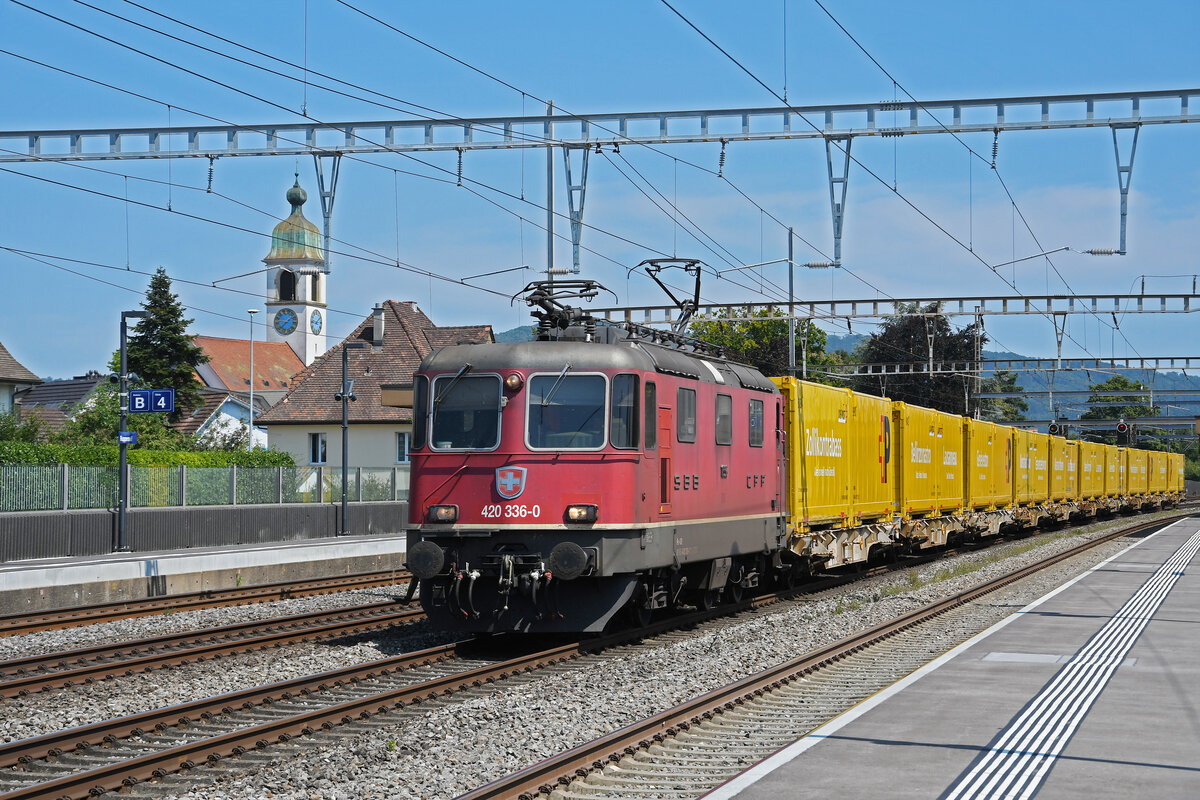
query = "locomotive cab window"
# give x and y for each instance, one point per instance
(566, 411)
(623, 419)
(756, 423)
(685, 408)
(724, 427)
(466, 412)
(420, 411)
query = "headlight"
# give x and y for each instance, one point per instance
(581, 513)
(442, 514)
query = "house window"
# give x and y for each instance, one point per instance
(685, 407)
(402, 442)
(316, 448)
(724, 428)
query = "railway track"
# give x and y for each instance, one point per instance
(23, 676)
(152, 746)
(58, 618)
(688, 750)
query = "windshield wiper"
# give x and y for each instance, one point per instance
(550, 394)
(453, 382)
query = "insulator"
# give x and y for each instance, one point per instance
(210, 174)
(558, 271)
(995, 146)
(721, 161)
(819, 264)
(460, 166)
(1100, 251)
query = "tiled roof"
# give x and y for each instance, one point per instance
(14, 371)
(52, 420)
(228, 367)
(408, 336)
(62, 395)
(212, 400)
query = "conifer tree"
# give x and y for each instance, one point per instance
(161, 350)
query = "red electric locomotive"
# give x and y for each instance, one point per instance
(599, 468)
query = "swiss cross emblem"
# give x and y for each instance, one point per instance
(510, 482)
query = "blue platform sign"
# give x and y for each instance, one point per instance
(151, 401)
(127, 437)
(162, 400)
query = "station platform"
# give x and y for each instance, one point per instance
(36, 585)
(1092, 691)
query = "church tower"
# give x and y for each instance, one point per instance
(296, 282)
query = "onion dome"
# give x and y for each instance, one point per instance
(295, 238)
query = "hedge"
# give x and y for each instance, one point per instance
(109, 456)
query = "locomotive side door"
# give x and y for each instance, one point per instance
(666, 435)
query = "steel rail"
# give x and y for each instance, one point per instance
(59, 618)
(24, 751)
(128, 773)
(560, 770)
(55, 670)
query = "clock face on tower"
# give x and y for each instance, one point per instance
(316, 322)
(285, 321)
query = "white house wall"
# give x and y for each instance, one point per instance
(370, 445)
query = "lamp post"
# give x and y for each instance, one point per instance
(123, 403)
(250, 429)
(345, 396)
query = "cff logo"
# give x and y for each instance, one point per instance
(510, 482)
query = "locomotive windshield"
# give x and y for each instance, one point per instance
(466, 412)
(566, 411)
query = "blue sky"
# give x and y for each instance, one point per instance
(617, 56)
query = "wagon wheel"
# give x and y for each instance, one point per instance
(709, 599)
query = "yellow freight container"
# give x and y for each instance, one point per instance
(929, 444)
(1114, 470)
(1138, 478)
(1031, 455)
(1177, 478)
(1063, 459)
(988, 451)
(830, 431)
(1091, 470)
(1159, 469)
(872, 473)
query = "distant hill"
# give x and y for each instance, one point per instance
(522, 334)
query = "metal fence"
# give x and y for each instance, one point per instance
(45, 487)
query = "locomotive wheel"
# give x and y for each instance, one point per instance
(736, 591)
(709, 599)
(639, 615)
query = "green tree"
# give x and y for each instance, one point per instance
(14, 428)
(98, 421)
(161, 350)
(904, 339)
(761, 341)
(1003, 409)
(1116, 407)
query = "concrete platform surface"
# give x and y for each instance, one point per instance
(56, 583)
(1092, 691)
